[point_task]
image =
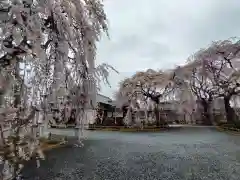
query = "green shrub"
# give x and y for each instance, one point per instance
(52, 142)
(237, 124)
(228, 125)
(221, 123)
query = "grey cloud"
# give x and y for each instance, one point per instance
(162, 33)
(154, 49)
(222, 23)
(140, 46)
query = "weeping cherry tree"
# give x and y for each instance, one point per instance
(221, 64)
(46, 46)
(150, 87)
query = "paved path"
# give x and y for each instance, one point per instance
(184, 154)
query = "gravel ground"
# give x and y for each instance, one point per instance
(185, 154)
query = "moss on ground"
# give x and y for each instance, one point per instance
(229, 130)
(47, 144)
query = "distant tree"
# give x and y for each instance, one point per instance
(185, 98)
(149, 85)
(205, 91)
(221, 66)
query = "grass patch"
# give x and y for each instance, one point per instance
(229, 128)
(49, 141)
(47, 144)
(50, 144)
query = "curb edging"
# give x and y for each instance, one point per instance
(128, 130)
(227, 131)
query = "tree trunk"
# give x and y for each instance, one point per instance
(230, 115)
(160, 122)
(16, 104)
(17, 97)
(124, 110)
(157, 116)
(206, 113)
(211, 113)
(1, 99)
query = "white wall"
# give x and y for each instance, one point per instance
(89, 116)
(103, 99)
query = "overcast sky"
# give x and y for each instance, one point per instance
(162, 33)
